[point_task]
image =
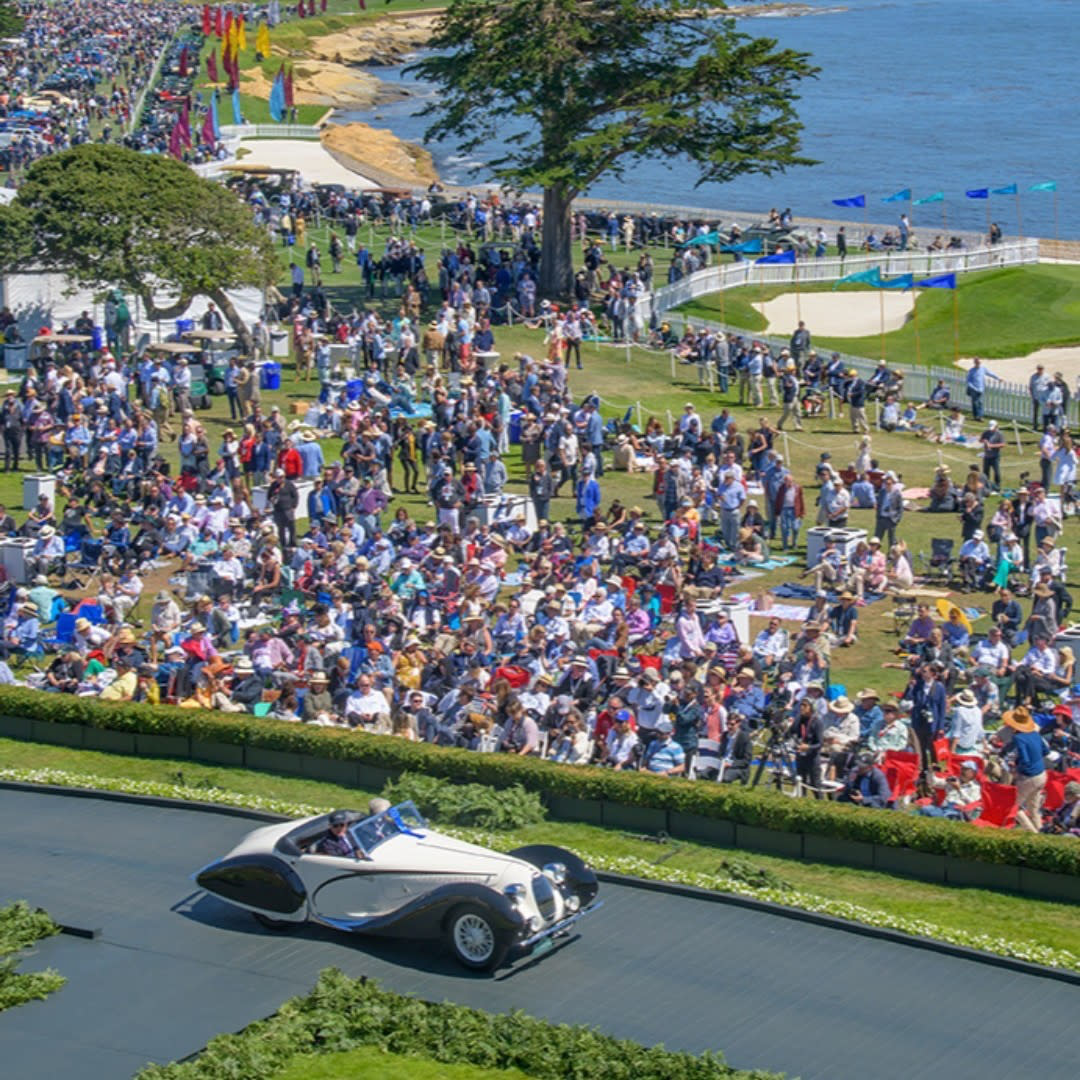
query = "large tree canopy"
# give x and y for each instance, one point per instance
(107, 216)
(601, 84)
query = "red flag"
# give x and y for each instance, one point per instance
(290, 101)
(228, 62)
(363, 6)
(228, 23)
(301, 10)
(211, 65)
(183, 125)
(176, 148)
(183, 63)
(208, 136)
(311, 8)
(207, 22)
(219, 22)
(322, 6)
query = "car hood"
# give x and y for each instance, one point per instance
(433, 852)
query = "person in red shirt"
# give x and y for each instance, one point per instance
(290, 462)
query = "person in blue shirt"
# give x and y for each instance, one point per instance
(664, 756)
(976, 387)
(588, 499)
(1027, 750)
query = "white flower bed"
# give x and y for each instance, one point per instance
(619, 864)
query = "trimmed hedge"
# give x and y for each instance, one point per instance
(748, 807)
(343, 1014)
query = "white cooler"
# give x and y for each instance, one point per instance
(35, 484)
(846, 542)
(14, 553)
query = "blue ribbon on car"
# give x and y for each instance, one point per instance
(396, 818)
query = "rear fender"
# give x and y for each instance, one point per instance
(258, 883)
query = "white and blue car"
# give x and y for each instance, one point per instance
(404, 880)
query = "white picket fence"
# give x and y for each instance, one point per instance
(269, 131)
(1003, 400)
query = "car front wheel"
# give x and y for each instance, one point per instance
(473, 939)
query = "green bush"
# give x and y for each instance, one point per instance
(467, 804)
(731, 802)
(20, 927)
(342, 1014)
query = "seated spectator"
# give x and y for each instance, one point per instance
(664, 756)
(961, 795)
(866, 784)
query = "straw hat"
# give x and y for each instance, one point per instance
(865, 695)
(1019, 719)
(966, 698)
(841, 705)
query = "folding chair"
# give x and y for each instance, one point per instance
(941, 561)
(63, 633)
(667, 598)
(707, 762)
(999, 806)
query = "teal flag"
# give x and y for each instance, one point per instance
(904, 281)
(938, 196)
(747, 247)
(1046, 185)
(900, 196)
(704, 238)
(863, 277)
(238, 116)
(1008, 189)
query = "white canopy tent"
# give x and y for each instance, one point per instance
(47, 299)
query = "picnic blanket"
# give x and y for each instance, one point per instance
(784, 611)
(777, 563)
(421, 410)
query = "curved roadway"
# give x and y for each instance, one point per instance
(173, 967)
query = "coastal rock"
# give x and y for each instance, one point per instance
(327, 83)
(379, 155)
(384, 42)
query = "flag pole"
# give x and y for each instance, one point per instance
(915, 324)
(944, 218)
(1019, 221)
(798, 301)
(1056, 237)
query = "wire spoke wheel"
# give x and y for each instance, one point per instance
(474, 939)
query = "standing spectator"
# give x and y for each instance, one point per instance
(540, 490)
(283, 498)
(890, 510)
(992, 440)
(1037, 387)
(1026, 748)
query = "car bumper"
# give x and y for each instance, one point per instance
(563, 926)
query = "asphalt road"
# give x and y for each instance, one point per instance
(173, 967)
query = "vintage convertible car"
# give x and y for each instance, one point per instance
(403, 880)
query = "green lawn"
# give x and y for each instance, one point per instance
(1010, 312)
(370, 1063)
(1003, 915)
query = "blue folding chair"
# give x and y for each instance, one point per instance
(63, 633)
(92, 612)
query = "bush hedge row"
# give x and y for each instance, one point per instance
(343, 1014)
(745, 806)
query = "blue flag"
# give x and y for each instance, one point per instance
(1008, 189)
(780, 257)
(863, 277)
(978, 193)
(900, 196)
(1046, 185)
(855, 200)
(904, 281)
(938, 196)
(747, 247)
(942, 281)
(277, 99)
(237, 115)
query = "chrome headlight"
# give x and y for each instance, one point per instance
(556, 872)
(572, 902)
(535, 923)
(515, 891)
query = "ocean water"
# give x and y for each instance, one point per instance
(935, 95)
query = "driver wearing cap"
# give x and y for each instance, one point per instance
(337, 841)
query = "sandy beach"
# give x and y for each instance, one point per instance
(837, 314)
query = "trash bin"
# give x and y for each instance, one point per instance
(183, 326)
(515, 427)
(97, 338)
(35, 485)
(270, 378)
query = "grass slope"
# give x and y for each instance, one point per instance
(968, 910)
(370, 1063)
(1010, 312)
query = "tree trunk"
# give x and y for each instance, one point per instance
(557, 255)
(221, 298)
(173, 311)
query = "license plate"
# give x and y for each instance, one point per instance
(543, 946)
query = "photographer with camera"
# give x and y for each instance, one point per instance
(961, 795)
(808, 733)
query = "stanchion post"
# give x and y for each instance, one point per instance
(628, 352)
(638, 403)
(1016, 432)
(671, 353)
(787, 448)
(877, 414)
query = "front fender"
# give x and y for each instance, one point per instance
(579, 876)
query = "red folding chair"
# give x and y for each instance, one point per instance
(667, 598)
(1054, 792)
(595, 654)
(901, 776)
(998, 806)
(629, 585)
(646, 661)
(517, 677)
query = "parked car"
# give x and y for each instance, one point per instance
(404, 880)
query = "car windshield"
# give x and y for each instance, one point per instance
(403, 819)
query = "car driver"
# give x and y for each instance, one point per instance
(337, 841)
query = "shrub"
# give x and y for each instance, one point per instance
(20, 927)
(731, 802)
(342, 1014)
(467, 804)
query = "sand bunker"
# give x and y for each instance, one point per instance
(1018, 369)
(379, 154)
(839, 314)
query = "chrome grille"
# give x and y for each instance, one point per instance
(544, 895)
